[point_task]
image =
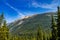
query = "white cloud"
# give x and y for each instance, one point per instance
(52, 5)
(21, 15)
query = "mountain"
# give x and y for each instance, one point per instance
(29, 24)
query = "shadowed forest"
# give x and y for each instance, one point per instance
(54, 34)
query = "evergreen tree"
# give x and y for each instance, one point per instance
(39, 34)
(44, 35)
(58, 24)
(4, 31)
(1, 19)
(54, 29)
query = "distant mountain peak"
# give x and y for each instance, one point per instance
(25, 17)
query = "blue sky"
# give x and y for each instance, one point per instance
(15, 9)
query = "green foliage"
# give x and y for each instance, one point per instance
(39, 34)
(4, 32)
(58, 24)
(54, 29)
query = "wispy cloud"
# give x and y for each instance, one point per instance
(21, 15)
(52, 5)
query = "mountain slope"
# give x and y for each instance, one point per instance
(30, 24)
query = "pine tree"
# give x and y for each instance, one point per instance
(4, 31)
(58, 23)
(1, 19)
(44, 35)
(54, 29)
(39, 34)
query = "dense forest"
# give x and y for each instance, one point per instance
(54, 34)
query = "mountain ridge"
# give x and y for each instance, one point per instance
(30, 24)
